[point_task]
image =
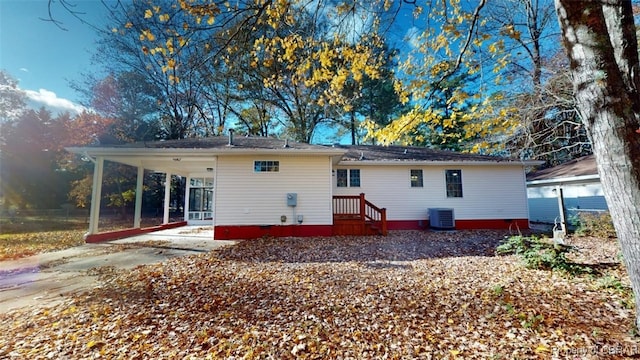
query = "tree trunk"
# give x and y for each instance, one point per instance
(601, 44)
(353, 127)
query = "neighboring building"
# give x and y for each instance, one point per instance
(248, 187)
(579, 184)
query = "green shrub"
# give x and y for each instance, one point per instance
(594, 224)
(540, 253)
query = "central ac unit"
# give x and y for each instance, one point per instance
(440, 218)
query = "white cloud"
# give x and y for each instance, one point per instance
(412, 37)
(50, 100)
(24, 70)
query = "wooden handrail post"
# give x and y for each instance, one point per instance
(362, 207)
(383, 220)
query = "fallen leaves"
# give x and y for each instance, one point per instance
(411, 294)
(14, 246)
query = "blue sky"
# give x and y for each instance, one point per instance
(43, 57)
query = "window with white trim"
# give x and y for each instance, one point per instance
(354, 177)
(453, 180)
(348, 177)
(266, 166)
(416, 178)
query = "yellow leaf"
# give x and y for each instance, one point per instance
(148, 14)
(95, 344)
(541, 349)
(164, 17)
(450, 321)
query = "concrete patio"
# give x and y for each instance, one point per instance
(48, 278)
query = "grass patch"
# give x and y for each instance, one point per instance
(541, 253)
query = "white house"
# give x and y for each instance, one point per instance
(576, 182)
(248, 187)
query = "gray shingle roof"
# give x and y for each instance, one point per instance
(352, 153)
(216, 142)
(585, 165)
(411, 154)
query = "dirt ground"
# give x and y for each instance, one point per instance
(50, 278)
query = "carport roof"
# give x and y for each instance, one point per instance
(187, 156)
(212, 143)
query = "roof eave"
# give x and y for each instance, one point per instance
(564, 180)
(231, 150)
(433, 163)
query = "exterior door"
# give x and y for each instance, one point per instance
(200, 200)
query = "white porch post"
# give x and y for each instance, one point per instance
(138, 208)
(167, 198)
(187, 190)
(96, 194)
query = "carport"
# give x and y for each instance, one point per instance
(187, 163)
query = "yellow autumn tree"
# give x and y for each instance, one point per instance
(299, 49)
(452, 43)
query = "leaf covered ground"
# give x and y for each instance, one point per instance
(408, 295)
(19, 245)
(35, 235)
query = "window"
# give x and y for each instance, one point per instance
(342, 177)
(416, 178)
(349, 177)
(354, 178)
(453, 180)
(266, 166)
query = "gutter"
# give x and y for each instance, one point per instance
(437, 163)
(197, 152)
(565, 180)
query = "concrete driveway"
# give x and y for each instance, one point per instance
(47, 279)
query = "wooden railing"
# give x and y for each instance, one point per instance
(352, 207)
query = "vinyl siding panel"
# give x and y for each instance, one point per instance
(489, 192)
(245, 197)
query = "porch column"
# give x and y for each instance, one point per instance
(167, 198)
(138, 208)
(96, 195)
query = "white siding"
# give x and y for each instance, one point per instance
(244, 197)
(489, 192)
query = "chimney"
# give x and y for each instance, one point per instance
(230, 137)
